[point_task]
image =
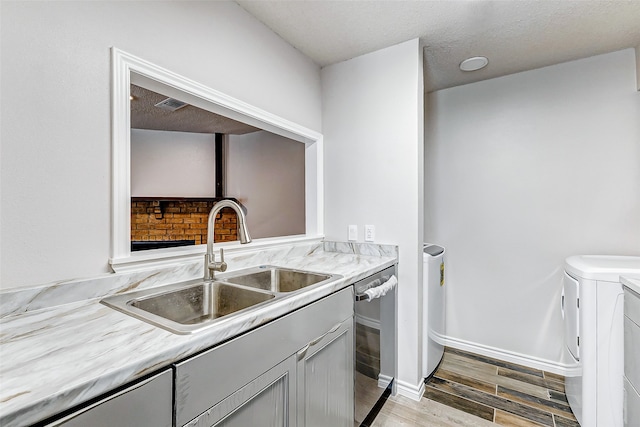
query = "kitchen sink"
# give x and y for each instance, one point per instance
(200, 303)
(188, 307)
(277, 279)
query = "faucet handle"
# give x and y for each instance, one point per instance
(222, 266)
(211, 265)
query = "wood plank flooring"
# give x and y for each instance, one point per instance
(477, 391)
(368, 394)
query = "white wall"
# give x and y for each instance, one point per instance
(55, 111)
(372, 126)
(520, 172)
(172, 164)
(265, 172)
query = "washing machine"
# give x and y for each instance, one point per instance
(433, 306)
(593, 312)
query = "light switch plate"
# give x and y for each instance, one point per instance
(353, 232)
(369, 233)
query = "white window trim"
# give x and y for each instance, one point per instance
(123, 65)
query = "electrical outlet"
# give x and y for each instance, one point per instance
(369, 233)
(353, 232)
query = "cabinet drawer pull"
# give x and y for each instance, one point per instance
(304, 350)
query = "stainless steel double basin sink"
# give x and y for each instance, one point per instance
(188, 307)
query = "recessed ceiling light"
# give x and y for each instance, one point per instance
(473, 64)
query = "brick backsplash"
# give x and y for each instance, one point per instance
(154, 220)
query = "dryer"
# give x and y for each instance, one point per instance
(592, 307)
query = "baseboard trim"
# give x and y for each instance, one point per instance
(412, 391)
(567, 370)
(384, 380)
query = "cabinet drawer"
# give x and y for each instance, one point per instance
(632, 352)
(206, 379)
(632, 305)
(148, 403)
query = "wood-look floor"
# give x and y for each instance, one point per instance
(476, 391)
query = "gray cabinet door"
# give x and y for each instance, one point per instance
(325, 379)
(148, 403)
(265, 401)
(205, 380)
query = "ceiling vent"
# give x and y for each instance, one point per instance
(171, 104)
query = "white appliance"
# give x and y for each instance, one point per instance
(433, 302)
(592, 308)
(631, 351)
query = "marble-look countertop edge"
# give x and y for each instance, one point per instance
(128, 349)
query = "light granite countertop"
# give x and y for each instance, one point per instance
(59, 354)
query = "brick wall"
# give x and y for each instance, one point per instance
(154, 220)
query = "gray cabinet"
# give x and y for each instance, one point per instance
(265, 401)
(325, 379)
(275, 372)
(148, 403)
(294, 371)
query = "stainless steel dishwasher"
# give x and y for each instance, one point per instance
(376, 343)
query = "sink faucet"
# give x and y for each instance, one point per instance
(210, 264)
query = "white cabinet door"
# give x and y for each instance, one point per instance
(325, 379)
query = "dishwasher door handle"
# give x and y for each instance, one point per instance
(383, 281)
(362, 297)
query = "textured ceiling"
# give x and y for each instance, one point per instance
(514, 35)
(145, 115)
